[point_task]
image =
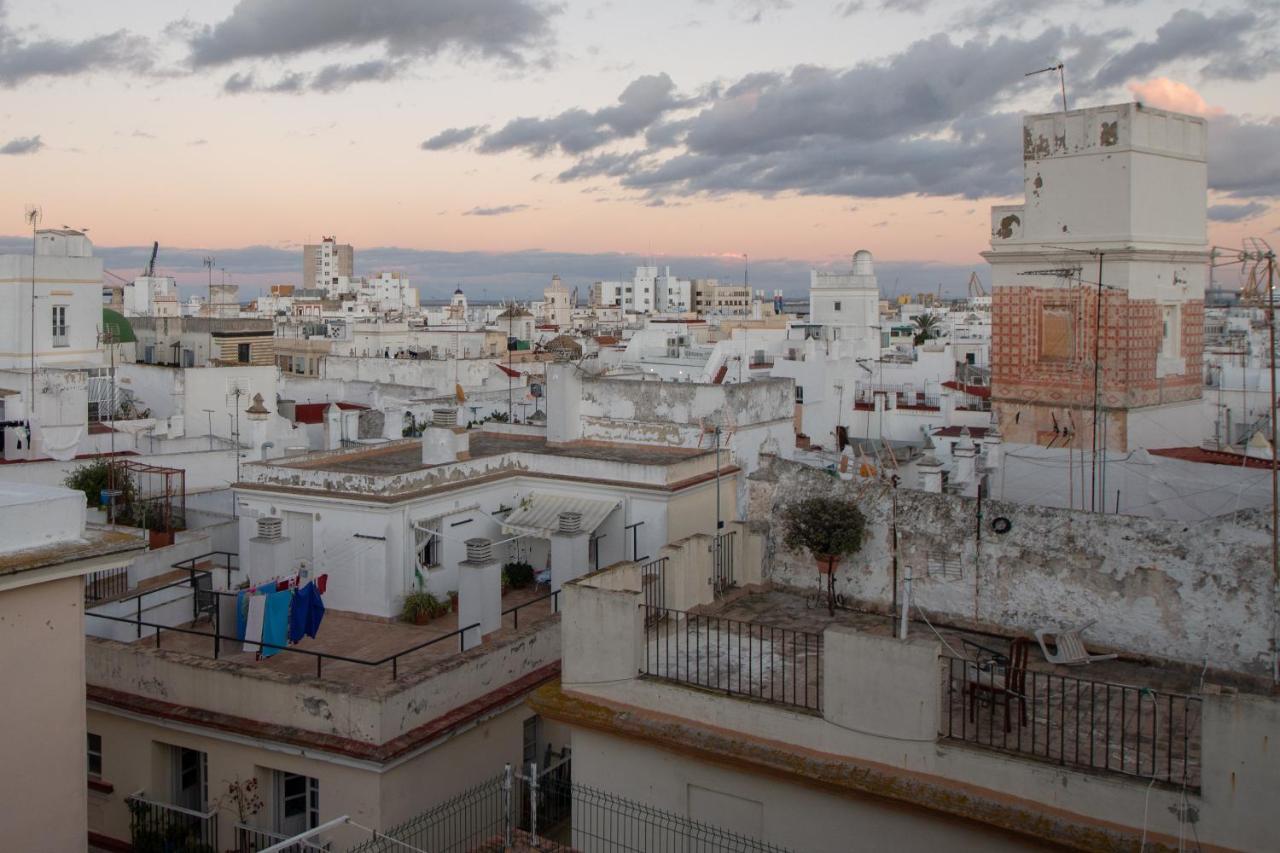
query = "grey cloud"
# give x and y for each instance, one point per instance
(22, 145)
(1236, 212)
(507, 30)
(237, 83)
(644, 101)
(1001, 12)
(1244, 157)
(24, 57)
(452, 137)
(334, 77)
(849, 8)
(1188, 34)
(500, 210)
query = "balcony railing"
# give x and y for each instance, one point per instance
(1077, 722)
(108, 583)
(778, 665)
(155, 827)
(251, 839)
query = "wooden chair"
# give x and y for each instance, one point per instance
(1011, 687)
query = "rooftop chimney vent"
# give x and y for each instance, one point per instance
(570, 522)
(270, 528)
(479, 550)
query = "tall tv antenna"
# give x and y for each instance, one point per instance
(208, 265)
(1062, 79)
(33, 214)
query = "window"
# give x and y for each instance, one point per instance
(95, 754)
(530, 746)
(297, 803)
(1057, 333)
(1170, 327)
(800, 394)
(837, 305)
(188, 778)
(242, 353)
(60, 326)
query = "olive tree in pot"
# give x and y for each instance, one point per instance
(829, 528)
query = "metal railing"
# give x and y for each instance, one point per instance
(782, 666)
(722, 578)
(216, 637)
(514, 612)
(1077, 722)
(653, 580)
(108, 583)
(159, 827)
(547, 810)
(251, 839)
(226, 561)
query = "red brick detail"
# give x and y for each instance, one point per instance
(106, 842)
(1128, 349)
(406, 742)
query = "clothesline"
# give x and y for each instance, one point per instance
(278, 613)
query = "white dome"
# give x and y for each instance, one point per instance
(862, 264)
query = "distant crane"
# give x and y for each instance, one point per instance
(975, 286)
(150, 269)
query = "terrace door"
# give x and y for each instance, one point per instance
(298, 527)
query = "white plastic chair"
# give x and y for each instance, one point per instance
(1069, 648)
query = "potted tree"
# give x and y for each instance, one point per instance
(829, 528)
(420, 607)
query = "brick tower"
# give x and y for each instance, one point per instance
(1123, 185)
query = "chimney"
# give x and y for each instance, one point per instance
(443, 442)
(930, 474)
(964, 454)
(269, 549)
(479, 592)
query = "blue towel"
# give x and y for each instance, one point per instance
(275, 623)
(298, 613)
(309, 607)
(242, 612)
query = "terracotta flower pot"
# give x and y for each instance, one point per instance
(826, 563)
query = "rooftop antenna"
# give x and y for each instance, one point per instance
(1062, 79)
(208, 264)
(33, 214)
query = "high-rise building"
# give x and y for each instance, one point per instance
(1098, 281)
(324, 262)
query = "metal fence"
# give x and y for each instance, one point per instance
(653, 580)
(722, 578)
(548, 811)
(778, 665)
(162, 828)
(1121, 728)
(108, 583)
(251, 839)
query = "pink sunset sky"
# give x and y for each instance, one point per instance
(793, 131)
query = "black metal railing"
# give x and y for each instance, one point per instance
(778, 665)
(514, 612)
(653, 580)
(159, 827)
(108, 583)
(722, 578)
(211, 561)
(217, 638)
(1078, 722)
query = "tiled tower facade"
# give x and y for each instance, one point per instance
(1125, 186)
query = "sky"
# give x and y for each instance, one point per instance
(495, 142)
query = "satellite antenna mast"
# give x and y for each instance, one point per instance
(1062, 79)
(208, 264)
(33, 216)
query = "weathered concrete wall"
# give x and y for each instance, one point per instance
(1190, 592)
(877, 737)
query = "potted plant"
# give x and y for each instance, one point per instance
(453, 600)
(829, 528)
(517, 574)
(420, 607)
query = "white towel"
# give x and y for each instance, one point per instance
(253, 623)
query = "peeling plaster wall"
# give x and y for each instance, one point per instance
(1187, 591)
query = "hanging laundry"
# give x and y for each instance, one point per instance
(315, 611)
(275, 622)
(282, 585)
(322, 583)
(242, 612)
(299, 612)
(253, 622)
(263, 589)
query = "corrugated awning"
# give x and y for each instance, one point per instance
(539, 514)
